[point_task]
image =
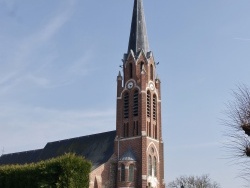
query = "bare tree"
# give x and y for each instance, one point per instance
(193, 182)
(238, 133)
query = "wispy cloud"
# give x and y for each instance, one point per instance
(22, 57)
(242, 39)
(35, 126)
(71, 72)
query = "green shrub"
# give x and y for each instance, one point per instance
(67, 171)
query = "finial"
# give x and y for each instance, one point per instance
(157, 79)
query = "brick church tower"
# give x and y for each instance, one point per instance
(138, 143)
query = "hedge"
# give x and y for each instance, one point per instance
(67, 171)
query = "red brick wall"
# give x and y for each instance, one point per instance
(104, 176)
(140, 144)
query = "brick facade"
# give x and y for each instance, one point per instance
(146, 139)
(139, 132)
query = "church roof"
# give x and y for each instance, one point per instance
(21, 157)
(138, 39)
(98, 148)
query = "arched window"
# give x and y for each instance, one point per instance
(149, 165)
(122, 172)
(141, 65)
(95, 184)
(131, 173)
(155, 166)
(151, 72)
(135, 106)
(148, 103)
(130, 70)
(126, 105)
(154, 107)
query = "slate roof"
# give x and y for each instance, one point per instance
(21, 157)
(138, 39)
(97, 148)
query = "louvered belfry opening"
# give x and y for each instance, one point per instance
(154, 107)
(126, 105)
(148, 103)
(135, 106)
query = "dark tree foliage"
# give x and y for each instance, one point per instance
(193, 182)
(68, 171)
(238, 133)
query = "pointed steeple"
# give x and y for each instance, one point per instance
(138, 39)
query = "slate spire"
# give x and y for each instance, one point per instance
(138, 39)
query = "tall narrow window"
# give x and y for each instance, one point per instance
(131, 173)
(126, 105)
(135, 106)
(155, 166)
(151, 72)
(149, 131)
(149, 165)
(141, 65)
(95, 184)
(122, 172)
(148, 103)
(154, 107)
(130, 70)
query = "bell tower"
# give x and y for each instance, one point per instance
(138, 143)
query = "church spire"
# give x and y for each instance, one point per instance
(138, 39)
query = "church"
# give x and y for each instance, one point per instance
(132, 155)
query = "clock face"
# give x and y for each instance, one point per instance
(151, 86)
(130, 85)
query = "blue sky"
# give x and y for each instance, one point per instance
(59, 61)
